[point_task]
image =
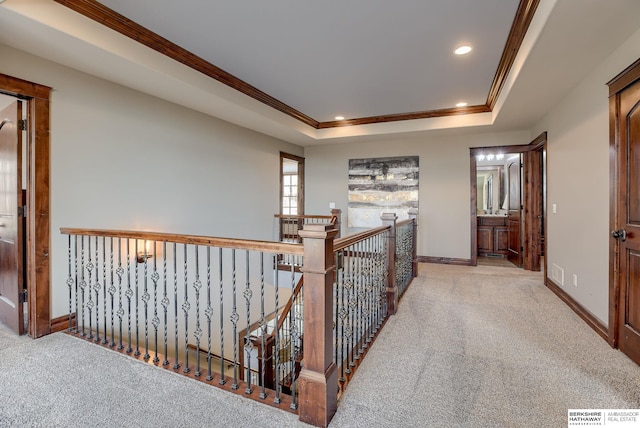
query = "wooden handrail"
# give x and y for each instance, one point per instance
(342, 243)
(404, 222)
(242, 244)
(287, 216)
(287, 307)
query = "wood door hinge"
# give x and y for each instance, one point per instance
(22, 125)
(22, 211)
(23, 296)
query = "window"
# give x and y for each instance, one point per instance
(292, 184)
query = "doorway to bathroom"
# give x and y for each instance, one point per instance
(508, 204)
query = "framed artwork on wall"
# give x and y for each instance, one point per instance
(381, 185)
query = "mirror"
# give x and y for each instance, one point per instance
(491, 191)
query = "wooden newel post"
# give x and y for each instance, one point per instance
(413, 215)
(389, 219)
(337, 213)
(318, 383)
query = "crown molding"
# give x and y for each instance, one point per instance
(101, 14)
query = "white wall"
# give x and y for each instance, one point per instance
(578, 182)
(124, 160)
(444, 197)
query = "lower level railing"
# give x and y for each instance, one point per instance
(222, 311)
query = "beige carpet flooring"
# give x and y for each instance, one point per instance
(469, 347)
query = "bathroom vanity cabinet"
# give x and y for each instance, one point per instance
(493, 235)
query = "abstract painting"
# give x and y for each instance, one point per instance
(381, 185)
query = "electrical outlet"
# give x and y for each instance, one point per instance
(332, 205)
(575, 280)
(554, 208)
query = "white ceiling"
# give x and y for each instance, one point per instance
(358, 58)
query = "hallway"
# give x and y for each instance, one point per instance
(470, 346)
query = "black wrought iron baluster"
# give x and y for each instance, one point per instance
(88, 284)
(348, 313)
(294, 339)
(104, 290)
(379, 286)
(197, 333)
(185, 308)
(128, 294)
(385, 252)
(112, 292)
(234, 320)
(165, 303)
(176, 362)
(209, 313)
(221, 303)
(342, 312)
(352, 309)
(136, 305)
(145, 299)
(358, 299)
(155, 276)
(120, 312)
(77, 293)
(276, 344)
(248, 345)
(369, 298)
(263, 330)
(70, 282)
(96, 288)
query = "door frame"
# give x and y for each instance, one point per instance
(38, 228)
(616, 85)
(532, 186)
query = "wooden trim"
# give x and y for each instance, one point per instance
(614, 197)
(576, 307)
(38, 200)
(62, 323)
(533, 200)
(405, 116)
(473, 211)
(444, 261)
(628, 76)
(524, 15)
(113, 20)
(101, 14)
(301, 169)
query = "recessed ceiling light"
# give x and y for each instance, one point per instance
(461, 104)
(462, 50)
(339, 118)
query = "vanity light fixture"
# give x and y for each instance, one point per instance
(462, 50)
(489, 157)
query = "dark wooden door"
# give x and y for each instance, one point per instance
(514, 253)
(533, 209)
(627, 235)
(11, 225)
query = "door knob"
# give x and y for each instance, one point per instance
(620, 234)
